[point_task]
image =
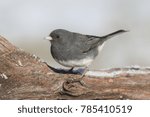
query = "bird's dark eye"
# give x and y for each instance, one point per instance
(57, 36)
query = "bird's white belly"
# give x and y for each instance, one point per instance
(77, 63)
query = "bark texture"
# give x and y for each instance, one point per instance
(25, 76)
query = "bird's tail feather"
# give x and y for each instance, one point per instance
(106, 37)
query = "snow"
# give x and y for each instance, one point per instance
(110, 73)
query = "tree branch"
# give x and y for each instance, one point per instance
(25, 76)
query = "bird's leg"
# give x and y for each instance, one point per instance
(79, 80)
(85, 70)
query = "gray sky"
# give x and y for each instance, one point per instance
(26, 22)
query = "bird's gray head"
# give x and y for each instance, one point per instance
(60, 35)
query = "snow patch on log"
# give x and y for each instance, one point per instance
(112, 73)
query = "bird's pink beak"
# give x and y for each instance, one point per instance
(48, 38)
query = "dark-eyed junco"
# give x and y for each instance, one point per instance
(72, 49)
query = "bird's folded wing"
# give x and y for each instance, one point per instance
(88, 42)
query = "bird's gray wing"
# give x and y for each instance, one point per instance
(87, 42)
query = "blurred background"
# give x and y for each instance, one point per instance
(26, 22)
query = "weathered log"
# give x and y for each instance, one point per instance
(25, 76)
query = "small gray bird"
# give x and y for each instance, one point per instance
(72, 49)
